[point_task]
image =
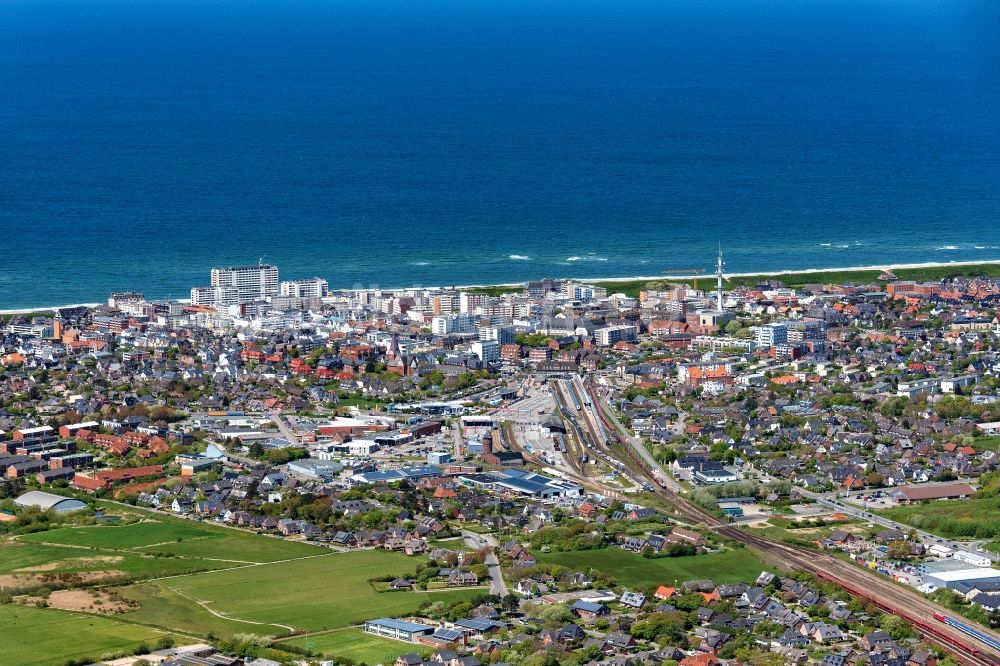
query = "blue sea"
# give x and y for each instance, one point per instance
(462, 141)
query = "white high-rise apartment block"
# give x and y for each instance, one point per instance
(488, 351)
(215, 296)
(584, 292)
(315, 287)
(448, 324)
(253, 282)
(609, 335)
(474, 303)
(770, 335)
(505, 335)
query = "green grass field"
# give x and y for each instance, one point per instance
(316, 593)
(987, 443)
(165, 534)
(163, 607)
(18, 557)
(969, 518)
(630, 569)
(357, 645)
(44, 637)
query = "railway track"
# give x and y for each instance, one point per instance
(886, 595)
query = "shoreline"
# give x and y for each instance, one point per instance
(704, 276)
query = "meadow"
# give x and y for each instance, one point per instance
(357, 645)
(327, 591)
(633, 287)
(18, 557)
(43, 637)
(976, 517)
(164, 534)
(632, 570)
(204, 580)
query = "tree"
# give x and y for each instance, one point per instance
(510, 603)
(896, 627)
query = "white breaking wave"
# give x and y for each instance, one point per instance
(947, 247)
(519, 257)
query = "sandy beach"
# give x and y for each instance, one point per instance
(703, 276)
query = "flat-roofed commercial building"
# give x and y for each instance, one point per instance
(399, 630)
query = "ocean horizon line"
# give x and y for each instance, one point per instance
(704, 276)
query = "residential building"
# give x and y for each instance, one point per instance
(315, 287)
(609, 335)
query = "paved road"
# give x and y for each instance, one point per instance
(286, 432)
(497, 584)
(456, 431)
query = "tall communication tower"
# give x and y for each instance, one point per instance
(718, 276)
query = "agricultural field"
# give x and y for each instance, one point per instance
(43, 637)
(632, 570)
(327, 591)
(357, 645)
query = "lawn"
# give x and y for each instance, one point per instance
(162, 607)
(17, 556)
(632, 570)
(117, 537)
(357, 645)
(166, 534)
(954, 519)
(43, 637)
(315, 593)
(986, 443)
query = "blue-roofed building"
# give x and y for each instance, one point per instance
(478, 625)
(524, 483)
(391, 475)
(445, 636)
(589, 609)
(439, 458)
(318, 470)
(633, 599)
(399, 630)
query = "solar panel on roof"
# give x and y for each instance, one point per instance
(477, 624)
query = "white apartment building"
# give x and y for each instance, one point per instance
(609, 335)
(253, 282)
(584, 292)
(474, 303)
(770, 335)
(505, 335)
(453, 324)
(220, 297)
(488, 351)
(315, 287)
(445, 302)
(120, 299)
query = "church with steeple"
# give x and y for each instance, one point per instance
(395, 361)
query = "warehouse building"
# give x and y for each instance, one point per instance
(399, 630)
(48, 501)
(962, 579)
(520, 482)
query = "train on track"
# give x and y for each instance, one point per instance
(968, 630)
(971, 653)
